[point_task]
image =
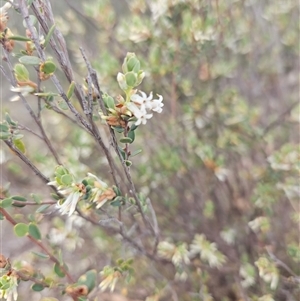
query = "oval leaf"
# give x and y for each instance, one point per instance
(130, 79)
(88, 279)
(71, 90)
(37, 287)
(21, 229)
(6, 203)
(19, 199)
(128, 163)
(4, 127)
(4, 135)
(131, 135)
(21, 73)
(67, 180)
(42, 208)
(19, 144)
(136, 153)
(34, 231)
(29, 60)
(126, 140)
(48, 67)
(58, 271)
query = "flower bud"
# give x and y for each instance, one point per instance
(122, 81)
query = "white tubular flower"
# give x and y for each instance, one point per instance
(142, 117)
(101, 193)
(69, 205)
(141, 100)
(5, 7)
(99, 182)
(10, 293)
(134, 109)
(25, 90)
(110, 279)
(155, 104)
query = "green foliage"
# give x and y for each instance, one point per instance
(209, 209)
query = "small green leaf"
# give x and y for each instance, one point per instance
(46, 94)
(55, 196)
(21, 73)
(4, 135)
(116, 190)
(49, 35)
(17, 136)
(6, 203)
(126, 140)
(37, 287)
(123, 154)
(42, 208)
(19, 38)
(19, 144)
(41, 255)
(116, 203)
(34, 231)
(136, 153)
(108, 101)
(118, 129)
(130, 78)
(128, 163)
(133, 127)
(21, 229)
(19, 199)
(29, 60)
(131, 135)
(67, 180)
(62, 105)
(36, 198)
(32, 20)
(48, 67)
(88, 279)
(71, 90)
(4, 127)
(58, 271)
(133, 64)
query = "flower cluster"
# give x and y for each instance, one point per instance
(110, 278)
(260, 223)
(208, 251)
(136, 106)
(247, 273)
(91, 189)
(140, 103)
(8, 287)
(268, 271)
(178, 254)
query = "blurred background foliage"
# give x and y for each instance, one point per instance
(221, 160)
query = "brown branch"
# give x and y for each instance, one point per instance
(40, 244)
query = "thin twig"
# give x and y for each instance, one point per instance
(27, 162)
(40, 244)
(25, 128)
(31, 112)
(278, 120)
